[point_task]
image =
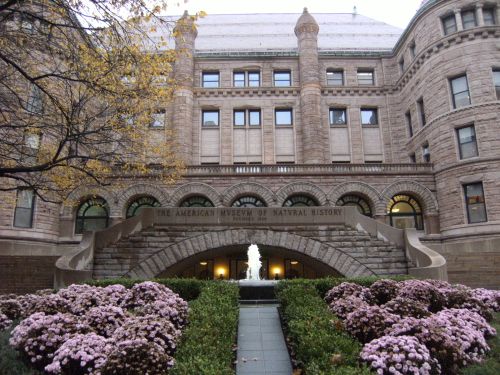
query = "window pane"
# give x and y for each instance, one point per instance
(489, 17)
(211, 118)
(210, 80)
(338, 117)
(469, 19)
(158, 119)
(25, 198)
(254, 117)
(462, 99)
(253, 79)
(283, 117)
(369, 117)
(365, 78)
(23, 214)
(496, 80)
(459, 84)
(467, 142)
(282, 79)
(239, 79)
(335, 78)
(239, 118)
(450, 25)
(474, 199)
(460, 91)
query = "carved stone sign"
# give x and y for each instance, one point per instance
(250, 216)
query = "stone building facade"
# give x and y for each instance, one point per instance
(320, 110)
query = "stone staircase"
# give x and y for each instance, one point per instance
(382, 257)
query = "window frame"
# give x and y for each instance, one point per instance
(448, 30)
(276, 110)
(460, 144)
(207, 111)
(247, 82)
(284, 71)
(331, 82)
(453, 94)
(80, 219)
(421, 111)
(330, 117)
(426, 156)
(17, 209)
(161, 112)
(409, 124)
(247, 117)
(496, 85)
(374, 110)
(204, 82)
(467, 204)
(365, 71)
(492, 11)
(466, 12)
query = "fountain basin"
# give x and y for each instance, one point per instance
(257, 291)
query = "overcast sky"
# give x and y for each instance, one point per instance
(394, 12)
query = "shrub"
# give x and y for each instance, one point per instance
(347, 290)
(399, 355)
(104, 320)
(49, 304)
(80, 355)
(344, 306)
(491, 298)
(137, 357)
(149, 292)
(5, 322)
(40, 335)
(462, 297)
(459, 317)
(407, 307)
(11, 308)
(369, 322)
(178, 316)
(206, 346)
(384, 290)
(422, 291)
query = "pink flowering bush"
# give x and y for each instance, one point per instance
(164, 309)
(460, 317)
(11, 307)
(369, 322)
(40, 335)
(407, 307)
(346, 290)
(462, 297)
(137, 357)
(80, 355)
(114, 294)
(152, 328)
(400, 355)
(104, 320)
(5, 322)
(344, 306)
(422, 291)
(50, 304)
(491, 298)
(384, 290)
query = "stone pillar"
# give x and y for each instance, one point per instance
(458, 20)
(479, 14)
(314, 137)
(431, 224)
(183, 99)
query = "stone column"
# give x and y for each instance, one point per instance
(183, 99)
(458, 20)
(479, 14)
(314, 137)
(431, 224)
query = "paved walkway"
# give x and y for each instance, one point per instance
(261, 345)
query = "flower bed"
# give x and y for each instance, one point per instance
(86, 329)
(435, 327)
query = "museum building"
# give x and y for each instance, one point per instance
(279, 116)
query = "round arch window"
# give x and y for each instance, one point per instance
(355, 200)
(93, 214)
(135, 206)
(248, 201)
(300, 201)
(196, 201)
(405, 212)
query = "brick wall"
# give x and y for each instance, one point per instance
(25, 274)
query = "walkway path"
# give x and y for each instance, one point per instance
(261, 345)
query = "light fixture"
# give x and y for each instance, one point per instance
(277, 272)
(221, 273)
(294, 262)
(395, 210)
(203, 263)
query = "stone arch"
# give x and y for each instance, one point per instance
(248, 188)
(359, 188)
(423, 194)
(167, 257)
(195, 188)
(81, 193)
(140, 190)
(305, 188)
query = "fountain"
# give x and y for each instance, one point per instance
(254, 263)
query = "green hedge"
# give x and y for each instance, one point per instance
(206, 347)
(317, 339)
(188, 289)
(10, 361)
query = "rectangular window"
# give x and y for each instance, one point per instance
(413, 158)
(283, 117)
(246, 79)
(449, 24)
(402, 65)
(496, 81)
(25, 203)
(253, 79)
(408, 123)
(426, 154)
(469, 19)
(467, 142)
(421, 111)
(338, 116)
(243, 117)
(210, 118)
(366, 77)
(413, 48)
(254, 117)
(489, 16)
(335, 77)
(239, 79)
(474, 201)
(369, 116)
(460, 91)
(239, 117)
(210, 79)
(158, 119)
(282, 78)
(34, 104)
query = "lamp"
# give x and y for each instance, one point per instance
(277, 272)
(221, 273)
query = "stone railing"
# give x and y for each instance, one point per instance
(308, 169)
(429, 264)
(76, 266)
